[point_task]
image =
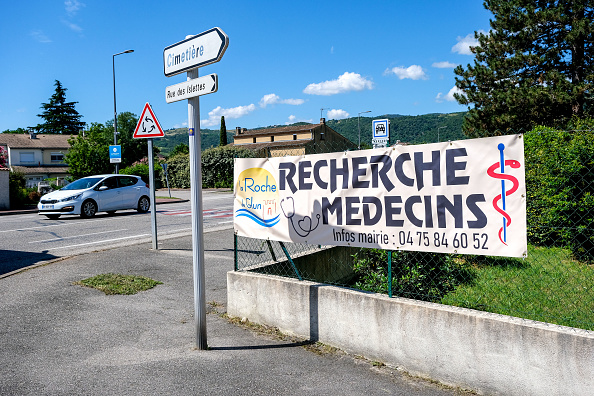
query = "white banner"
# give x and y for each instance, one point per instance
(467, 196)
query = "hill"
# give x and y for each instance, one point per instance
(410, 129)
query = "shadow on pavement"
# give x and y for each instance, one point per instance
(12, 260)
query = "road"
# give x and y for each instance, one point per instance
(27, 239)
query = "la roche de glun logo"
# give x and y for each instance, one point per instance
(257, 192)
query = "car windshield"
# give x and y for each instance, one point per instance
(83, 183)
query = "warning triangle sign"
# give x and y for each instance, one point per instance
(148, 126)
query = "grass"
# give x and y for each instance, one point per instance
(119, 284)
(547, 286)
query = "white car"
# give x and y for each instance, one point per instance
(101, 193)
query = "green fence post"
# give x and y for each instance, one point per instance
(235, 251)
(390, 273)
(290, 260)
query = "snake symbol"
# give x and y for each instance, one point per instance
(501, 197)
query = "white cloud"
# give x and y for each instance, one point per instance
(72, 26)
(345, 83)
(72, 6)
(38, 35)
(337, 114)
(444, 65)
(293, 119)
(464, 44)
(414, 72)
(271, 99)
(214, 116)
(449, 97)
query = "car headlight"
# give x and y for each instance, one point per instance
(72, 198)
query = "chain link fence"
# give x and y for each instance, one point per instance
(554, 283)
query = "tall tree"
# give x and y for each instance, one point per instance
(535, 67)
(60, 116)
(223, 133)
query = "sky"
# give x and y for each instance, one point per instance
(286, 61)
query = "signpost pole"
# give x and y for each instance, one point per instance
(197, 220)
(152, 197)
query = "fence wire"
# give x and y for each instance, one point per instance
(554, 284)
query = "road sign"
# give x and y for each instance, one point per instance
(381, 132)
(189, 89)
(196, 51)
(115, 154)
(148, 126)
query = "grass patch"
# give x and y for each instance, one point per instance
(547, 286)
(119, 284)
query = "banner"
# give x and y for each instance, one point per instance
(466, 196)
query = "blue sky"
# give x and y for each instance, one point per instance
(285, 60)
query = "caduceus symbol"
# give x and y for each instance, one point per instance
(501, 197)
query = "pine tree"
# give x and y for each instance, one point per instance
(535, 67)
(60, 116)
(223, 133)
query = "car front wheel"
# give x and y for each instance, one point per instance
(88, 209)
(144, 204)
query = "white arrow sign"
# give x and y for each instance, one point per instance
(189, 89)
(197, 51)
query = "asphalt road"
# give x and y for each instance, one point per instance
(27, 239)
(59, 338)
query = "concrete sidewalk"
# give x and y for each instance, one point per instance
(60, 338)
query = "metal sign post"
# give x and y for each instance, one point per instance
(188, 55)
(148, 127)
(197, 219)
(153, 202)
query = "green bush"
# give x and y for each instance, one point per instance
(560, 188)
(217, 167)
(142, 169)
(418, 275)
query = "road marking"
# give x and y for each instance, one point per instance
(54, 225)
(77, 236)
(104, 241)
(207, 213)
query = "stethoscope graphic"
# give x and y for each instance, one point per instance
(305, 218)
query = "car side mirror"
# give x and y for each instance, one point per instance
(103, 188)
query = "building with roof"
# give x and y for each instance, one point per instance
(292, 140)
(37, 156)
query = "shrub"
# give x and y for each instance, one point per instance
(16, 190)
(418, 275)
(217, 167)
(560, 189)
(142, 169)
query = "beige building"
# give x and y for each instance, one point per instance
(38, 157)
(292, 140)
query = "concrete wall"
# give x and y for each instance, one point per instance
(4, 192)
(492, 354)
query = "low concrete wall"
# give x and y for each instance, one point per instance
(4, 191)
(489, 353)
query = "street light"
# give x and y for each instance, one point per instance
(359, 126)
(115, 114)
(438, 131)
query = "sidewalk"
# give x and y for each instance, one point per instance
(60, 338)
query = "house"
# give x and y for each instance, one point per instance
(37, 156)
(292, 140)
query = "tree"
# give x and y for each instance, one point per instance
(223, 133)
(15, 131)
(89, 152)
(535, 67)
(60, 116)
(181, 148)
(3, 157)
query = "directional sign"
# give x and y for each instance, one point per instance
(148, 126)
(189, 89)
(115, 154)
(196, 51)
